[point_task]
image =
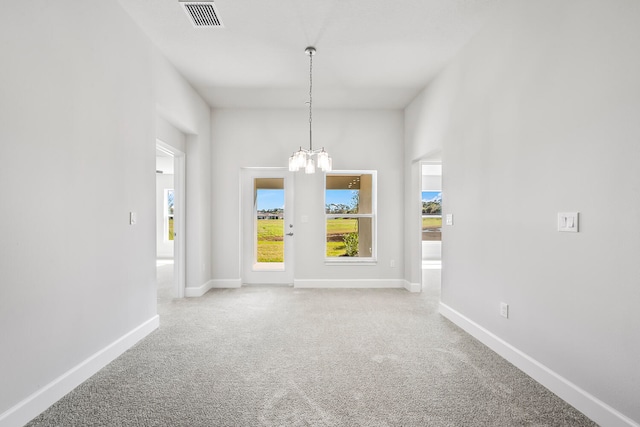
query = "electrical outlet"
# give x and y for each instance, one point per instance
(504, 310)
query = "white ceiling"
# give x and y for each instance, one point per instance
(370, 53)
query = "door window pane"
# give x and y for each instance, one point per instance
(269, 202)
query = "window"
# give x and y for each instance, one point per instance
(168, 214)
(350, 211)
(432, 215)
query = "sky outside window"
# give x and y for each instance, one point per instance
(270, 199)
(340, 197)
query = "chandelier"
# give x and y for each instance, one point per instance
(303, 158)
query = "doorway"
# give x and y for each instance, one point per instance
(267, 226)
(170, 224)
(431, 224)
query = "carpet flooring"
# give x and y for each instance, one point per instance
(279, 356)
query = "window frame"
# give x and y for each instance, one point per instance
(373, 259)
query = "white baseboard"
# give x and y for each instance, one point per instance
(349, 283)
(198, 291)
(39, 401)
(586, 403)
(225, 283)
(412, 287)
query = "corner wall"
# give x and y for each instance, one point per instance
(179, 106)
(539, 116)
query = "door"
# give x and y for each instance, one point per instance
(267, 226)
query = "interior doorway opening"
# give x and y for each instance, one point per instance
(431, 224)
(170, 229)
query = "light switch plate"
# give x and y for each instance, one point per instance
(504, 310)
(568, 222)
(133, 218)
(449, 219)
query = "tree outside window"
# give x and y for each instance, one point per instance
(432, 215)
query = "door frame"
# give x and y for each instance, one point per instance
(250, 276)
(179, 227)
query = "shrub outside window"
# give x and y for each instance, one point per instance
(350, 212)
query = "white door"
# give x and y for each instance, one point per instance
(267, 226)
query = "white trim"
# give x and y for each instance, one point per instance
(412, 287)
(198, 291)
(32, 406)
(588, 404)
(179, 223)
(225, 283)
(349, 283)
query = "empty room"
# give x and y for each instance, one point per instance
(325, 213)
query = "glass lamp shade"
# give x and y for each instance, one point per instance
(301, 159)
(324, 161)
(293, 164)
(310, 167)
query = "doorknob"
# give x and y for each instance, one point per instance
(289, 234)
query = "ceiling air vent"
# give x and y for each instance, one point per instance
(203, 14)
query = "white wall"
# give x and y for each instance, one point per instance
(77, 100)
(540, 115)
(356, 139)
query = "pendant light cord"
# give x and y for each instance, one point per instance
(310, 100)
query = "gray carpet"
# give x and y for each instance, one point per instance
(277, 356)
